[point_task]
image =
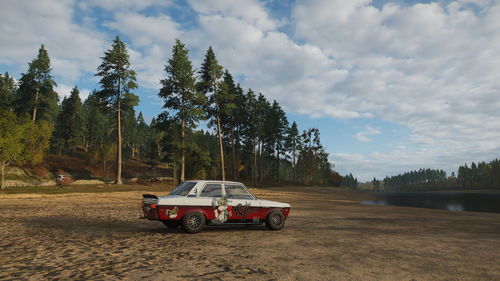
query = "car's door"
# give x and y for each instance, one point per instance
(210, 196)
(244, 207)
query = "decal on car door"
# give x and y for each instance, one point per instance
(222, 210)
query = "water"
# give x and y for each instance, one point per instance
(452, 201)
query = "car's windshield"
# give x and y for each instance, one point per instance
(183, 188)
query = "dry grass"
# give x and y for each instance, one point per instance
(328, 236)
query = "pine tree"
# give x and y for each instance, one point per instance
(36, 95)
(144, 133)
(293, 144)
(250, 129)
(231, 117)
(181, 99)
(276, 126)
(220, 97)
(98, 123)
(117, 79)
(8, 89)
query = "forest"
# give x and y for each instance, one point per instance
(209, 127)
(483, 175)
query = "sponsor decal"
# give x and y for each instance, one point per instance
(222, 210)
(172, 213)
(243, 211)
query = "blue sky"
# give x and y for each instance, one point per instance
(392, 85)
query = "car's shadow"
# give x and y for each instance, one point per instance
(84, 225)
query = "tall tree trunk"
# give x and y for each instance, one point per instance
(235, 169)
(175, 173)
(2, 167)
(183, 151)
(294, 169)
(261, 160)
(119, 140)
(277, 165)
(221, 150)
(254, 168)
(36, 103)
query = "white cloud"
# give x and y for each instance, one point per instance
(151, 40)
(429, 67)
(145, 30)
(63, 90)
(249, 12)
(363, 136)
(113, 5)
(73, 49)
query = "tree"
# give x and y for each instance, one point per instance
(8, 89)
(313, 165)
(233, 116)
(293, 144)
(181, 99)
(276, 126)
(98, 128)
(11, 147)
(117, 79)
(69, 123)
(103, 154)
(22, 140)
(350, 181)
(261, 111)
(36, 95)
(144, 134)
(220, 97)
(250, 129)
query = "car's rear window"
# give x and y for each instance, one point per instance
(211, 190)
(234, 191)
(183, 188)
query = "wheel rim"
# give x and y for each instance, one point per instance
(277, 219)
(194, 221)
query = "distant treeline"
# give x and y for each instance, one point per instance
(414, 180)
(252, 139)
(484, 175)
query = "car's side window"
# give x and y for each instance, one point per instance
(234, 191)
(211, 190)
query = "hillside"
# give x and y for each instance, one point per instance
(81, 169)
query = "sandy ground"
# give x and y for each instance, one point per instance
(328, 236)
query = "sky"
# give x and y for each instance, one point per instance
(393, 86)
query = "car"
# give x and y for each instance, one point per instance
(197, 203)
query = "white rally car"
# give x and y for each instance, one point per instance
(195, 204)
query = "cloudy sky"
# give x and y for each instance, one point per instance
(392, 85)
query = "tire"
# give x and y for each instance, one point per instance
(193, 222)
(275, 220)
(171, 224)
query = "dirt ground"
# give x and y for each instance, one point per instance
(328, 236)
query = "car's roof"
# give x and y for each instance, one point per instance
(212, 181)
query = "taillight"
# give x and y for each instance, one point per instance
(153, 206)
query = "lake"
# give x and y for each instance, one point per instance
(452, 201)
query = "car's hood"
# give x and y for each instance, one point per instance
(273, 204)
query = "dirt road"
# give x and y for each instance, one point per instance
(328, 236)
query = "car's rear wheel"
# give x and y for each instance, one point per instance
(193, 222)
(275, 220)
(171, 224)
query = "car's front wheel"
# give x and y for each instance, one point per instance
(193, 222)
(275, 220)
(171, 224)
